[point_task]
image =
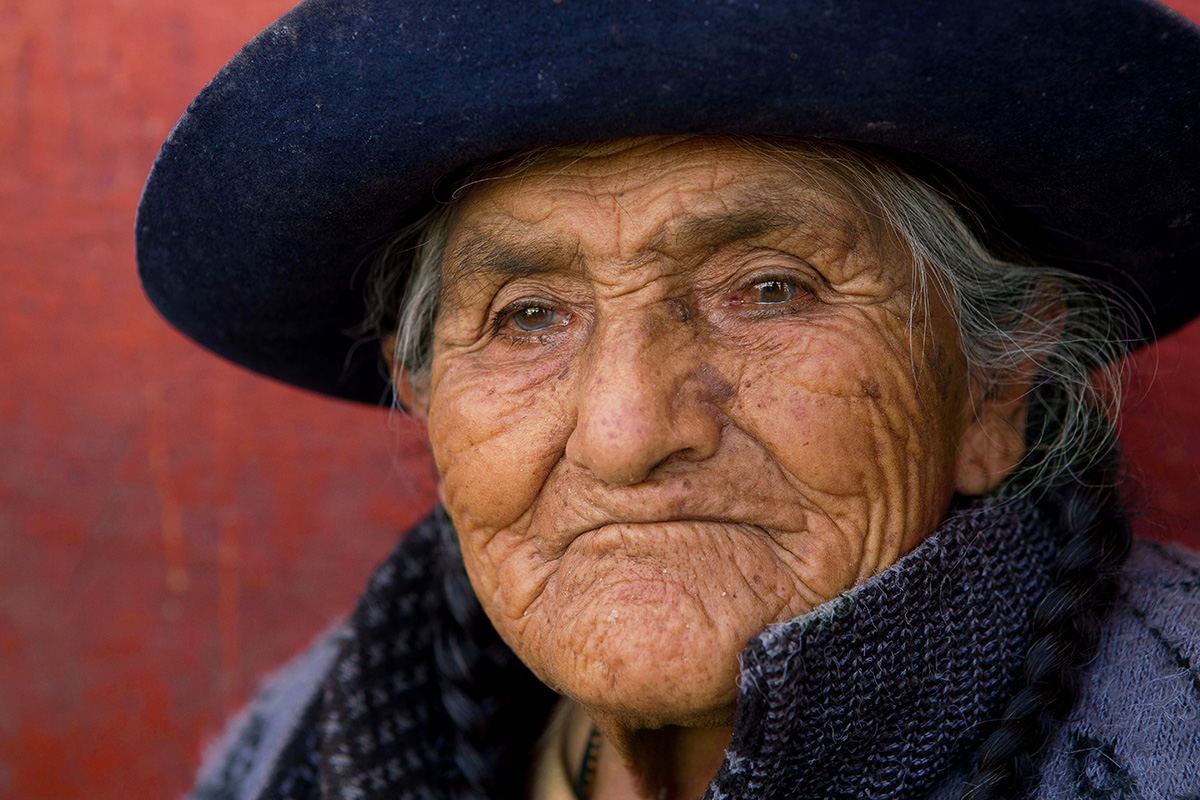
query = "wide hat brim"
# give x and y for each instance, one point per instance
(329, 129)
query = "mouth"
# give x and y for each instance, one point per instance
(669, 510)
(644, 537)
(653, 511)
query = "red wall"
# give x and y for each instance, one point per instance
(171, 526)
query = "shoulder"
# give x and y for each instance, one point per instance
(277, 738)
(240, 763)
(1135, 730)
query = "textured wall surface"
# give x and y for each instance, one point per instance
(171, 526)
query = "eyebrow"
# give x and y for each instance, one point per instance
(695, 232)
(489, 254)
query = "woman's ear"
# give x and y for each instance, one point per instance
(412, 393)
(994, 443)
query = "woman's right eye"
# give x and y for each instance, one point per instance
(529, 318)
(533, 318)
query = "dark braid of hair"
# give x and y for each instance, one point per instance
(492, 699)
(1096, 539)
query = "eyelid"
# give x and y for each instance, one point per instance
(754, 265)
(805, 293)
(780, 277)
(505, 313)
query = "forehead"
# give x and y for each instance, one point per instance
(627, 197)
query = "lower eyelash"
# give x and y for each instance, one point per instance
(768, 312)
(521, 341)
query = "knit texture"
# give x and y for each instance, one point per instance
(878, 693)
(881, 693)
(1135, 733)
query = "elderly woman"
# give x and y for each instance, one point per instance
(768, 360)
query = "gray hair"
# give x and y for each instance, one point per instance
(1011, 312)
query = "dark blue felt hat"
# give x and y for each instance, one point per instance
(327, 130)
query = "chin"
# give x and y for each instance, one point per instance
(656, 697)
(648, 652)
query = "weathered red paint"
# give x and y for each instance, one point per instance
(171, 526)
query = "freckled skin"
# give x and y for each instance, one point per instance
(676, 463)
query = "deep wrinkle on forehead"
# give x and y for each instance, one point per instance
(491, 253)
(494, 251)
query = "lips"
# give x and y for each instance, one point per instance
(655, 539)
(573, 504)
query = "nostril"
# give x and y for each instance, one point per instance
(620, 436)
(623, 440)
(643, 401)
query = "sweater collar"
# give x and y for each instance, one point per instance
(882, 691)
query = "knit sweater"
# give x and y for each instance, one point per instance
(883, 692)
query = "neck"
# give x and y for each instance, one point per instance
(667, 763)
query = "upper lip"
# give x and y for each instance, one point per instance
(577, 504)
(644, 511)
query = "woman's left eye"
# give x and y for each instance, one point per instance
(773, 293)
(770, 292)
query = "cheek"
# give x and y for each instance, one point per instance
(494, 443)
(850, 415)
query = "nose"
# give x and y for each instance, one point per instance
(646, 396)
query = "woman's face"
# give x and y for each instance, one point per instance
(681, 392)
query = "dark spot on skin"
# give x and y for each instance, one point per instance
(679, 310)
(687, 484)
(562, 376)
(870, 387)
(755, 579)
(746, 384)
(719, 389)
(652, 325)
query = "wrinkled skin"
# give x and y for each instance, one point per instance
(681, 392)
